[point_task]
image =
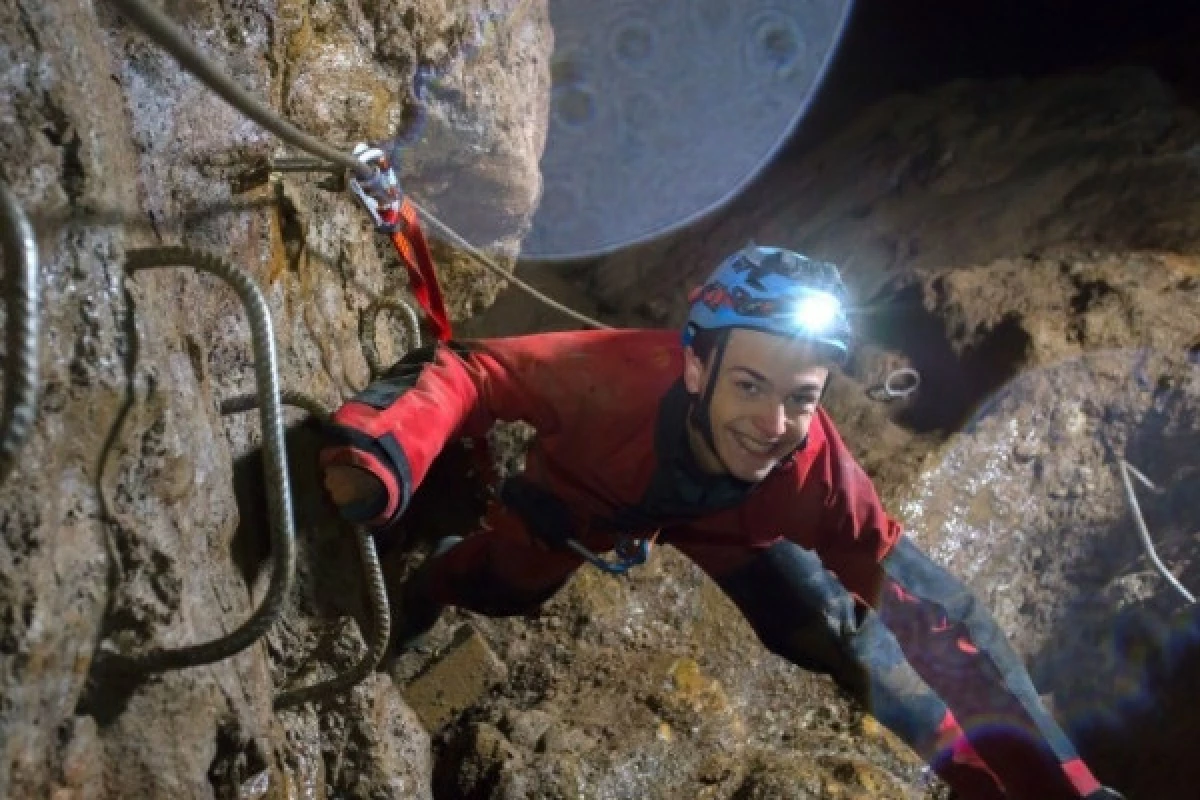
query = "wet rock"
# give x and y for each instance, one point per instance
(456, 680)
(113, 146)
(392, 757)
(561, 738)
(476, 159)
(526, 728)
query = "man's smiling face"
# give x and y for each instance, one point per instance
(764, 398)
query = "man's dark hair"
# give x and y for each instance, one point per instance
(705, 342)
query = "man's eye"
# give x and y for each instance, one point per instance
(749, 387)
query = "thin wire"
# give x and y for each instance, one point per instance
(21, 301)
(483, 259)
(1147, 544)
(173, 39)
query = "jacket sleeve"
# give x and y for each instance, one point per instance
(856, 532)
(396, 427)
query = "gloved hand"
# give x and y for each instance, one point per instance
(1105, 793)
(358, 494)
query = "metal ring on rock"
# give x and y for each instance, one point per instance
(889, 383)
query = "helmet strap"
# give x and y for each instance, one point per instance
(701, 413)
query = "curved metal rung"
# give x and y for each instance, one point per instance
(1126, 469)
(381, 613)
(21, 299)
(630, 553)
(370, 319)
(288, 397)
(279, 500)
(377, 642)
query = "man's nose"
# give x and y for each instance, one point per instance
(772, 422)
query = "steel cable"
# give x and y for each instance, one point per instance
(159, 27)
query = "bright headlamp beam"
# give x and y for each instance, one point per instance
(816, 312)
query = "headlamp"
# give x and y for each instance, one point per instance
(816, 312)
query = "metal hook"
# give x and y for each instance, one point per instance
(889, 383)
(630, 552)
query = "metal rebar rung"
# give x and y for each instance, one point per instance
(279, 500)
(21, 303)
(381, 629)
(370, 320)
(377, 642)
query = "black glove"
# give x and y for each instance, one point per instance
(545, 515)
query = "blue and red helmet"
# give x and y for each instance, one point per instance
(774, 290)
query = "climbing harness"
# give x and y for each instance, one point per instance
(21, 343)
(1126, 469)
(381, 626)
(279, 500)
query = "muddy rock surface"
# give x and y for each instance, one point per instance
(154, 532)
(1028, 504)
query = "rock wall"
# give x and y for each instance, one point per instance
(961, 175)
(1015, 241)
(110, 146)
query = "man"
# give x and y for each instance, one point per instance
(716, 445)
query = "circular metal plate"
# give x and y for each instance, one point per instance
(662, 109)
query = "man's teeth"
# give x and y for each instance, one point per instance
(754, 447)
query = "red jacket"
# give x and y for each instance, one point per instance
(608, 407)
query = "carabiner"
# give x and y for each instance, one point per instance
(381, 194)
(630, 553)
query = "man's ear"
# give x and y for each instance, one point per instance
(693, 371)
